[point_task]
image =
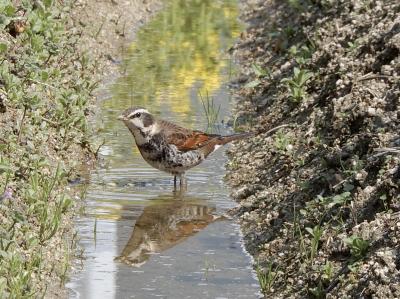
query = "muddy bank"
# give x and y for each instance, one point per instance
(49, 56)
(107, 27)
(319, 201)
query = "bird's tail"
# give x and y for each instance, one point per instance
(226, 139)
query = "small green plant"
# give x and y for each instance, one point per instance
(302, 244)
(65, 265)
(321, 206)
(3, 48)
(326, 276)
(260, 74)
(318, 292)
(297, 5)
(211, 111)
(329, 201)
(352, 46)
(354, 267)
(358, 246)
(328, 270)
(267, 277)
(260, 71)
(297, 84)
(385, 202)
(340, 199)
(301, 54)
(354, 165)
(21, 278)
(316, 234)
(282, 142)
(288, 33)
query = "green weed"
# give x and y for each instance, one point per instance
(267, 277)
(352, 46)
(316, 234)
(283, 142)
(326, 276)
(297, 84)
(358, 246)
(260, 74)
(302, 54)
(296, 4)
(330, 201)
(328, 271)
(302, 244)
(318, 292)
(354, 166)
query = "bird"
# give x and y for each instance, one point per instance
(169, 147)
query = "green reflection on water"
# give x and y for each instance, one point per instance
(182, 50)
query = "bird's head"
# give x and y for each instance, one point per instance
(139, 120)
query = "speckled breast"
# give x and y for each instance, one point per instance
(168, 158)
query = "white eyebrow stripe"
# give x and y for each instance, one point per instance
(138, 111)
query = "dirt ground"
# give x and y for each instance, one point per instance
(319, 200)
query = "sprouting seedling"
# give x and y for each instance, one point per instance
(358, 246)
(295, 4)
(282, 141)
(260, 73)
(318, 291)
(316, 234)
(353, 45)
(328, 271)
(267, 277)
(301, 54)
(297, 84)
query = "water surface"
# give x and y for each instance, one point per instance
(141, 240)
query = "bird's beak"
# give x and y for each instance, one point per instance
(121, 117)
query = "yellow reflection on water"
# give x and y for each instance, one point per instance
(182, 50)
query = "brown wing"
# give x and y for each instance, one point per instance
(185, 139)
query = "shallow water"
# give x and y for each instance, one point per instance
(140, 239)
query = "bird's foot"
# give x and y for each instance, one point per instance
(182, 184)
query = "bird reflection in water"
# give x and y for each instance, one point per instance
(164, 225)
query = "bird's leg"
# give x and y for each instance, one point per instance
(183, 182)
(182, 179)
(174, 182)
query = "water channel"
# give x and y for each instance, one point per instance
(140, 239)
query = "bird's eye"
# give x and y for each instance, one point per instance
(135, 115)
